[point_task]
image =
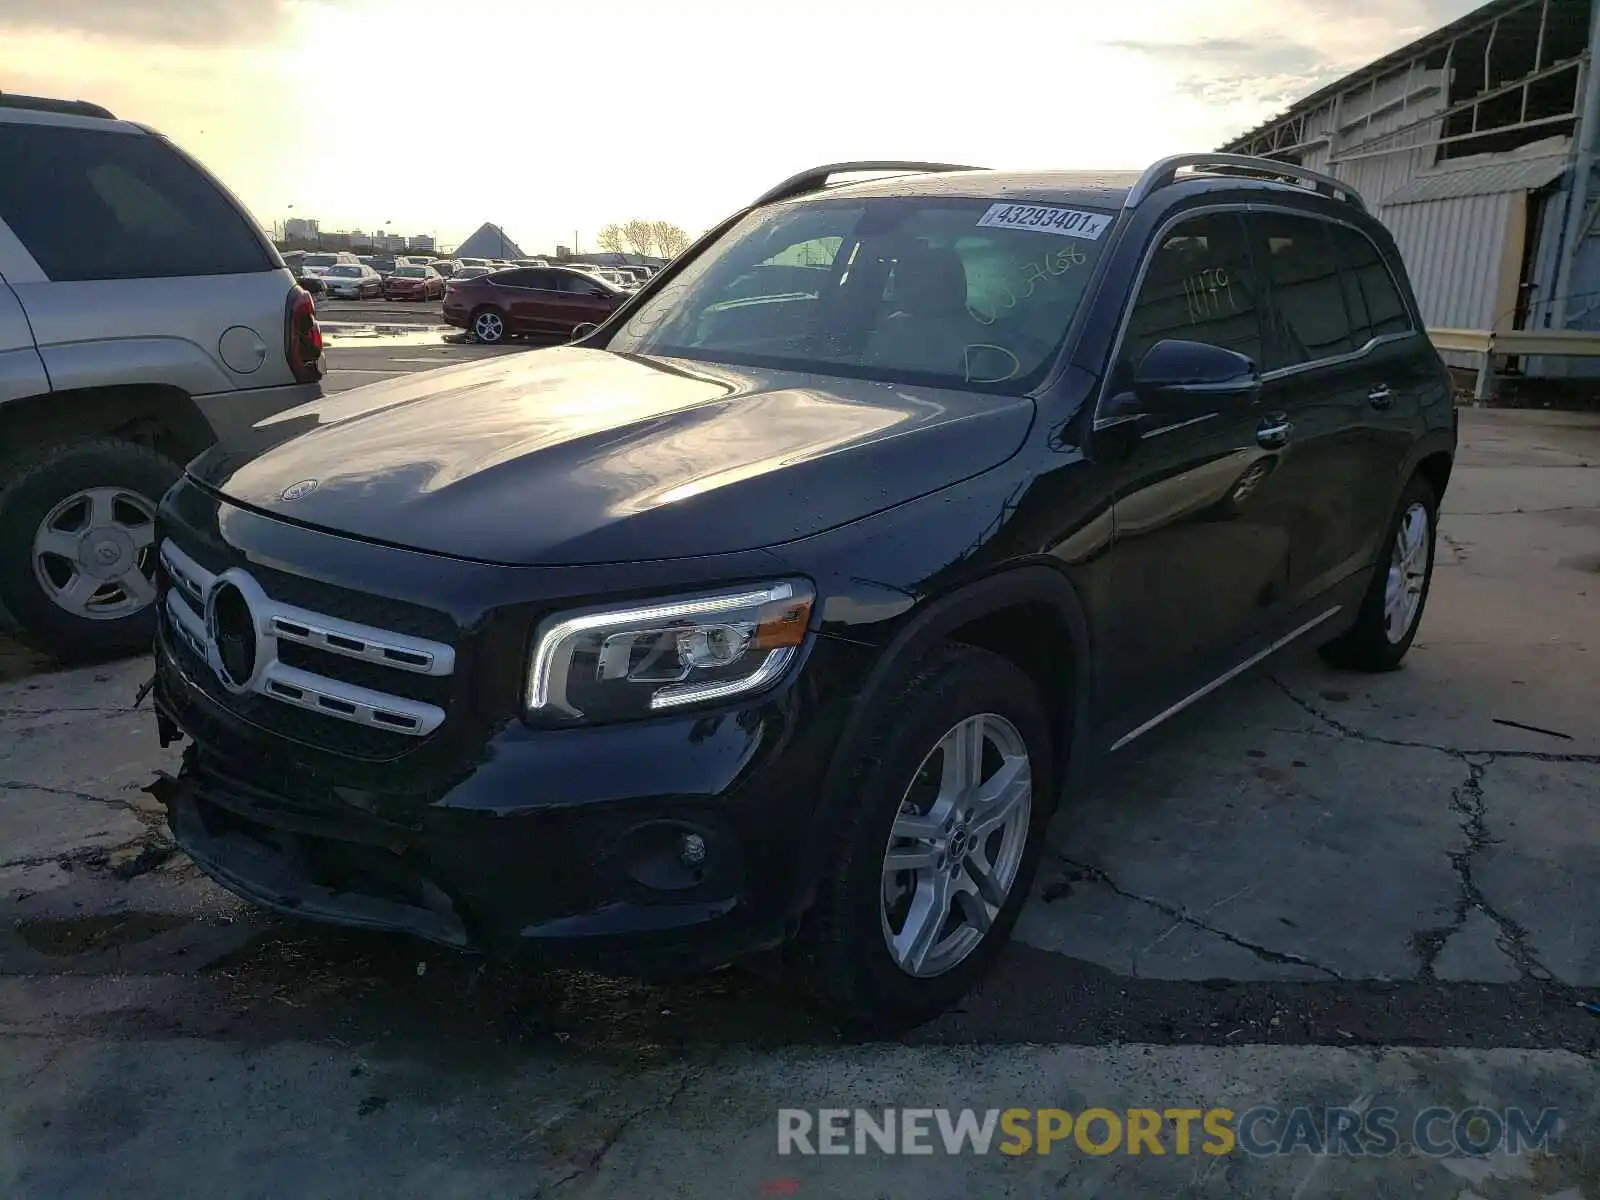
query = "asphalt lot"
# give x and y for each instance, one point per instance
(369, 341)
(1316, 888)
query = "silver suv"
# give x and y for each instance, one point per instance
(143, 316)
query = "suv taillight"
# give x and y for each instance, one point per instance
(303, 337)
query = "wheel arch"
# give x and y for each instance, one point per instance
(1031, 615)
(1435, 466)
(161, 417)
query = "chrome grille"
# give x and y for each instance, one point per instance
(193, 615)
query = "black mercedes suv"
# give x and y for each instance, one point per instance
(785, 606)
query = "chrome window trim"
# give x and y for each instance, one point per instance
(1100, 423)
(274, 679)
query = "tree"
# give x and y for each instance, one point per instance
(670, 241)
(610, 238)
(640, 236)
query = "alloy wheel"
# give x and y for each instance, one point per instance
(94, 553)
(489, 327)
(956, 845)
(1408, 573)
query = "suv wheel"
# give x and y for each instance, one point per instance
(77, 547)
(1392, 608)
(489, 326)
(942, 833)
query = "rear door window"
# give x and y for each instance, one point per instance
(89, 204)
(1371, 282)
(1309, 320)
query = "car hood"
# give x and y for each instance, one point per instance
(571, 455)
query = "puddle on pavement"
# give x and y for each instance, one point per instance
(67, 937)
(337, 334)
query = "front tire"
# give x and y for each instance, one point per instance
(941, 834)
(1391, 609)
(77, 546)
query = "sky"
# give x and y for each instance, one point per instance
(554, 119)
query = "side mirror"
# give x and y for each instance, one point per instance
(1176, 377)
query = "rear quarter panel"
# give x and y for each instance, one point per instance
(169, 331)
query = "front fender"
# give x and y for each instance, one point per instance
(916, 638)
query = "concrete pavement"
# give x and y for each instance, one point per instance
(1317, 889)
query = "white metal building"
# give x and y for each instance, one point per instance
(1476, 146)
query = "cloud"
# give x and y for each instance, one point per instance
(185, 22)
(1276, 54)
(1246, 56)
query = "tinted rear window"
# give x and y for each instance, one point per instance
(93, 205)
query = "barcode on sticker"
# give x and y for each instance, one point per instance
(1069, 222)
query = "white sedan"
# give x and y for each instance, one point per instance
(352, 281)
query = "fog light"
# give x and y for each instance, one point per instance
(691, 849)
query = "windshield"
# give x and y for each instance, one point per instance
(321, 260)
(346, 272)
(413, 272)
(964, 292)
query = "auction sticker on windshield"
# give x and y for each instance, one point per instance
(1069, 222)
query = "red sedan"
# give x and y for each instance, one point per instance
(528, 300)
(413, 283)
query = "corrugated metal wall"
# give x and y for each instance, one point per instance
(1453, 250)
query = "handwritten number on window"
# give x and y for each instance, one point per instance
(1209, 294)
(1044, 269)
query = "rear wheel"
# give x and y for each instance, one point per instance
(489, 326)
(940, 838)
(77, 547)
(1392, 608)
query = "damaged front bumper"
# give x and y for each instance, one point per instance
(532, 847)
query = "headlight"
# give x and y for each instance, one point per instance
(615, 663)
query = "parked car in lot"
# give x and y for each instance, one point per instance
(143, 315)
(357, 282)
(413, 283)
(322, 260)
(756, 617)
(475, 262)
(445, 266)
(464, 273)
(295, 261)
(527, 300)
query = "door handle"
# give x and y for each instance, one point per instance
(1380, 396)
(1273, 432)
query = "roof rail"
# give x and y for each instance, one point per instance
(817, 178)
(75, 108)
(1165, 172)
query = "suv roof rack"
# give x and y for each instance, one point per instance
(1165, 173)
(817, 178)
(73, 108)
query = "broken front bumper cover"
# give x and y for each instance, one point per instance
(270, 865)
